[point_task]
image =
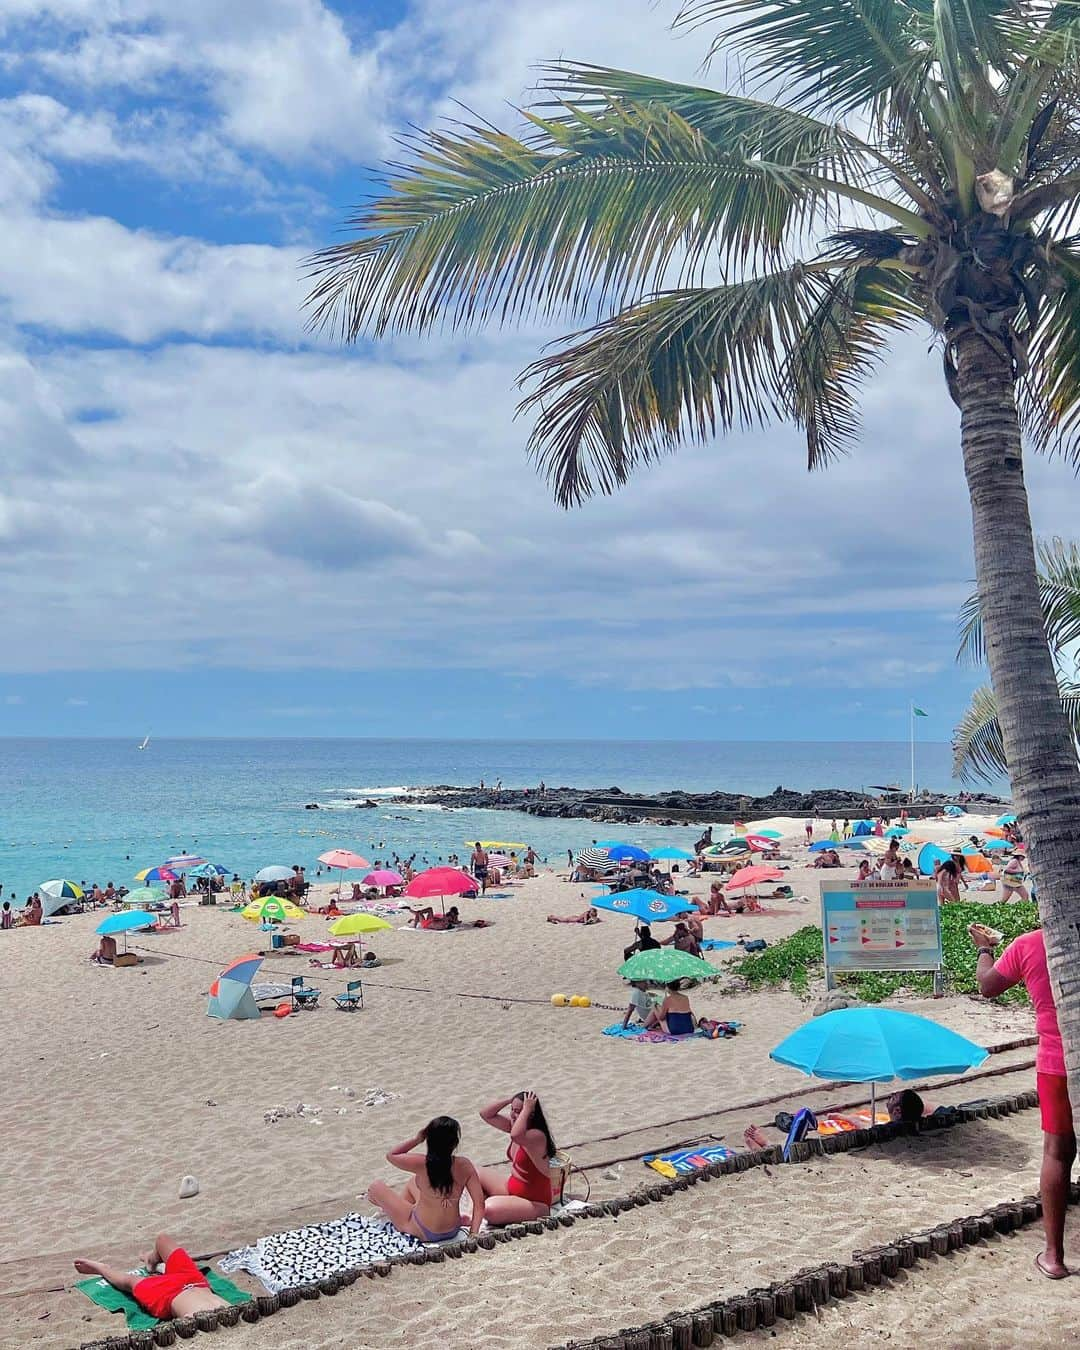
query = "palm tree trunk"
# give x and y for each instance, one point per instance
(1038, 744)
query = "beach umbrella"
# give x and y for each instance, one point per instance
(126, 921)
(230, 994)
(823, 845)
(593, 858)
(441, 882)
(341, 857)
(752, 876)
(495, 843)
(672, 854)
(208, 869)
(730, 848)
(144, 895)
(876, 1045)
(274, 873)
(928, 855)
(896, 832)
(1009, 819)
(354, 925)
(626, 853)
(183, 861)
(162, 873)
(759, 842)
(663, 965)
(766, 834)
(273, 909)
(858, 844)
(644, 905)
(383, 877)
(57, 894)
(995, 844)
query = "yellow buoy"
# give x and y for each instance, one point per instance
(559, 1000)
(575, 1001)
(584, 1001)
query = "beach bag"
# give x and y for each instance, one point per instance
(755, 945)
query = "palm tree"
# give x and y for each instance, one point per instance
(741, 258)
(978, 746)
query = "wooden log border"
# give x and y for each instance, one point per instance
(759, 1307)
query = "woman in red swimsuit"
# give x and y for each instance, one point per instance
(526, 1193)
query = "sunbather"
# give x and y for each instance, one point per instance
(717, 902)
(105, 952)
(429, 1206)
(427, 918)
(683, 940)
(527, 1192)
(589, 916)
(182, 1291)
(674, 1015)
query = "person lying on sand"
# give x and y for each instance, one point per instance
(429, 1206)
(674, 1015)
(526, 1193)
(589, 916)
(182, 1291)
(427, 918)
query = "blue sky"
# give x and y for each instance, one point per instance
(212, 522)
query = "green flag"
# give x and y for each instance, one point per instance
(918, 711)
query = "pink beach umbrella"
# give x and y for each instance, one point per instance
(751, 876)
(441, 882)
(384, 878)
(345, 861)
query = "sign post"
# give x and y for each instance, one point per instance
(881, 925)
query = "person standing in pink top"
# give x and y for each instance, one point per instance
(1024, 962)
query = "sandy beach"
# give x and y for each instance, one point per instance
(118, 1084)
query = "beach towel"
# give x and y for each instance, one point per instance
(313, 947)
(463, 928)
(102, 1293)
(715, 945)
(638, 1033)
(300, 1255)
(687, 1159)
(840, 1122)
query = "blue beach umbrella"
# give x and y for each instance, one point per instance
(823, 846)
(896, 832)
(673, 854)
(208, 869)
(647, 906)
(993, 844)
(126, 921)
(1005, 820)
(626, 853)
(856, 844)
(876, 1045)
(928, 855)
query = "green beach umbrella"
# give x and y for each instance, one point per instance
(144, 895)
(663, 965)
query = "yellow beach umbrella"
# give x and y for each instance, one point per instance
(273, 909)
(352, 925)
(495, 843)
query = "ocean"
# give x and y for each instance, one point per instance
(100, 810)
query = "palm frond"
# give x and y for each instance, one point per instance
(685, 363)
(972, 649)
(1049, 390)
(1058, 566)
(978, 746)
(840, 54)
(594, 207)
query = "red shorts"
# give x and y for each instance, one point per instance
(1054, 1104)
(155, 1293)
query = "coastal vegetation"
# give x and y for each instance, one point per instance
(739, 258)
(794, 961)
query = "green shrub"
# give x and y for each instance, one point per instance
(797, 959)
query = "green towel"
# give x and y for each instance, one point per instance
(102, 1293)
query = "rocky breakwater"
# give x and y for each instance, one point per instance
(616, 807)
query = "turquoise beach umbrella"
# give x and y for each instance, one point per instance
(673, 854)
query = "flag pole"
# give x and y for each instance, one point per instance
(912, 717)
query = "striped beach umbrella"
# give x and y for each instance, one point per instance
(594, 858)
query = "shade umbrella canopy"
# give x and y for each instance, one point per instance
(766, 834)
(996, 844)
(752, 876)
(672, 854)
(1008, 819)
(341, 857)
(760, 842)
(61, 890)
(274, 873)
(144, 895)
(823, 846)
(647, 906)
(162, 873)
(352, 925)
(896, 832)
(627, 853)
(230, 994)
(383, 876)
(876, 1045)
(208, 869)
(731, 848)
(665, 965)
(441, 881)
(859, 845)
(126, 921)
(593, 858)
(928, 855)
(182, 861)
(273, 909)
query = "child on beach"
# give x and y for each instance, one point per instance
(181, 1291)
(7, 918)
(640, 1005)
(429, 1206)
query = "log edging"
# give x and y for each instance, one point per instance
(764, 1303)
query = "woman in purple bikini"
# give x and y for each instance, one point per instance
(429, 1207)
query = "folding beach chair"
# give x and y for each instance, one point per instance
(352, 998)
(302, 995)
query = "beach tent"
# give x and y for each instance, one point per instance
(954, 811)
(859, 827)
(57, 895)
(928, 855)
(230, 994)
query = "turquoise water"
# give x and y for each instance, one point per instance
(99, 810)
